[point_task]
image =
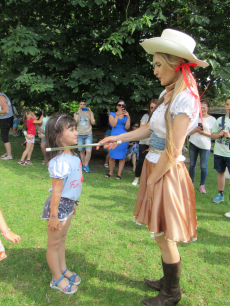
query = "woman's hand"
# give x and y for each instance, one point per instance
(125, 113)
(110, 142)
(150, 187)
(12, 237)
(54, 223)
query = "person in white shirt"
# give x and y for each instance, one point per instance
(144, 143)
(166, 197)
(200, 143)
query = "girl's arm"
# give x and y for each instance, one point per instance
(57, 185)
(38, 121)
(6, 233)
(4, 105)
(204, 133)
(179, 132)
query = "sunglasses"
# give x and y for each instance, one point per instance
(137, 126)
(120, 104)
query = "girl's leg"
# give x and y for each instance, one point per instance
(43, 148)
(193, 154)
(111, 165)
(82, 155)
(30, 151)
(221, 181)
(87, 156)
(204, 155)
(24, 154)
(121, 166)
(52, 255)
(62, 261)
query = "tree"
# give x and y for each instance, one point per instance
(58, 51)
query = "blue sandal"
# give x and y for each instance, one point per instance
(66, 290)
(72, 278)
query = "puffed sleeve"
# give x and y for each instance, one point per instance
(185, 103)
(59, 168)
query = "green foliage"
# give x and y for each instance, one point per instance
(58, 51)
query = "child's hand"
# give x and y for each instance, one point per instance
(12, 237)
(53, 223)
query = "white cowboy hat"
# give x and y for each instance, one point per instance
(175, 43)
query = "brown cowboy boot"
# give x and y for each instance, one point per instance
(155, 284)
(170, 293)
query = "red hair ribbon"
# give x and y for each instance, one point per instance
(192, 80)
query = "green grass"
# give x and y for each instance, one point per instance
(110, 252)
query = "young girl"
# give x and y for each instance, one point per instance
(29, 121)
(66, 173)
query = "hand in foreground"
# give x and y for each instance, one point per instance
(110, 142)
(12, 237)
(53, 223)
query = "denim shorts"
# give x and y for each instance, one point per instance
(84, 139)
(43, 139)
(221, 162)
(65, 209)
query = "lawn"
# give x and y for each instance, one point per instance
(111, 253)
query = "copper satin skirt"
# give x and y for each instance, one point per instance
(173, 210)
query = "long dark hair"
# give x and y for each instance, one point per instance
(54, 129)
(24, 119)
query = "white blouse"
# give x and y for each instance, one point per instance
(185, 103)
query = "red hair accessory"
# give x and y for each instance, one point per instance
(192, 80)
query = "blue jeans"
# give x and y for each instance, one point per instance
(84, 140)
(204, 154)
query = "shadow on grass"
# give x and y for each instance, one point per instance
(26, 271)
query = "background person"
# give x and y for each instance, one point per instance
(15, 125)
(120, 122)
(220, 132)
(85, 120)
(170, 219)
(133, 148)
(144, 143)
(6, 121)
(200, 143)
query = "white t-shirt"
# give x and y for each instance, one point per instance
(201, 141)
(145, 119)
(184, 102)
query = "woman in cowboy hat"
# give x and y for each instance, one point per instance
(166, 198)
